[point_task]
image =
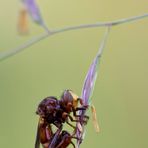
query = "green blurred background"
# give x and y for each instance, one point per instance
(61, 61)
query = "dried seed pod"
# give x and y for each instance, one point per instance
(23, 27)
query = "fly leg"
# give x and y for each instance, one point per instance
(81, 118)
(66, 116)
(65, 146)
(66, 139)
(75, 120)
(73, 144)
(72, 120)
(70, 124)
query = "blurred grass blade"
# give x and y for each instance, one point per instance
(91, 76)
(89, 84)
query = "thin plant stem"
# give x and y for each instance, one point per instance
(6, 54)
(9, 53)
(102, 24)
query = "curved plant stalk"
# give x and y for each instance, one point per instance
(88, 88)
(6, 54)
(9, 53)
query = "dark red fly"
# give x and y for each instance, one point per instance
(57, 112)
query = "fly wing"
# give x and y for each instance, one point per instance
(34, 12)
(89, 82)
(37, 141)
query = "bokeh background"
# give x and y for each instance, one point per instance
(61, 61)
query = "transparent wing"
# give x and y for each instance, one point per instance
(37, 141)
(34, 12)
(89, 84)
